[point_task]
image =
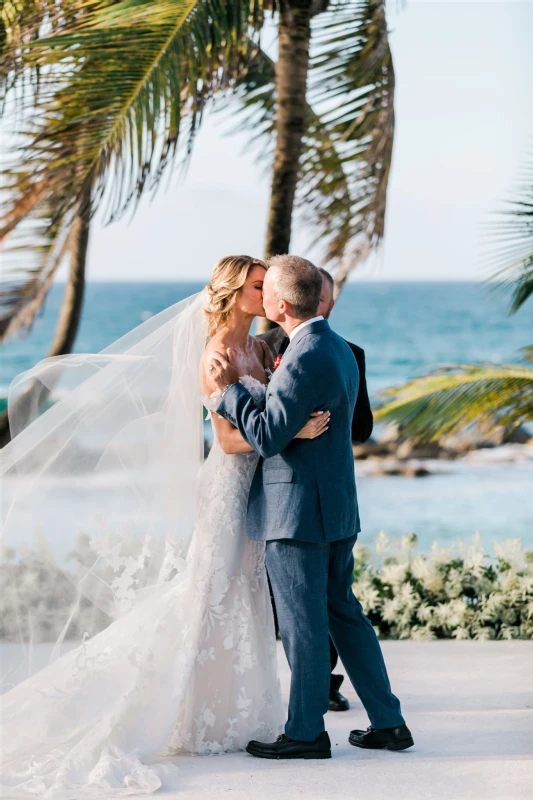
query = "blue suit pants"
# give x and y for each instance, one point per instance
(312, 585)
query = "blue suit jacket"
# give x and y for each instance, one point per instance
(303, 488)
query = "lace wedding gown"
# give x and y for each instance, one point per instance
(190, 669)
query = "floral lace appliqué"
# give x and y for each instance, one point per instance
(190, 667)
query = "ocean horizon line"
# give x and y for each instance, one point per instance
(367, 281)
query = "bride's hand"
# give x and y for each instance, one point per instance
(317, 423)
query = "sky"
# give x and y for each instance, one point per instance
(464, 121)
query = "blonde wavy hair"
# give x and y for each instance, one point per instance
(228, 278)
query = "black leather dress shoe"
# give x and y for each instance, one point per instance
(337, 701)
(379, 738)
(284, 747)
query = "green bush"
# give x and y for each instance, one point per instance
(456, 592)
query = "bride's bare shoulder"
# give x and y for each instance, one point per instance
(217, 342)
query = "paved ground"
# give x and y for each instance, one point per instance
(469, 705)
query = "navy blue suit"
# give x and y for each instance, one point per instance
(303, 489)
(362, 425)
(303, 502)
(363, 420)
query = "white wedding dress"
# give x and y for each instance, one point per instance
(191, 668)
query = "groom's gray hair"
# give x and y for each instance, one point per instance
(299, 283)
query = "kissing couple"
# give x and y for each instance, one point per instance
(186, 662)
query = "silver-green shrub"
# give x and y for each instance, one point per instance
(453, 592)
(457, 592)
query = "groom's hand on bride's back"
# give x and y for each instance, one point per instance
(221, 370)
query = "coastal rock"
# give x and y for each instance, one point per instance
(411, 448)
(415, 472)
(478, 438)
(394, 444)
(392, 435)
(398, 468)
(519, 435)
(372, 449)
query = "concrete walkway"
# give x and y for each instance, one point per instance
(468, 704)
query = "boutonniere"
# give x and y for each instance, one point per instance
(277, 361)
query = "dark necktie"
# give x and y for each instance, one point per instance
(283, 346)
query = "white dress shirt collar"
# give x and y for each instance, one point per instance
(302, 325)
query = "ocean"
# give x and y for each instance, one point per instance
(405, 329)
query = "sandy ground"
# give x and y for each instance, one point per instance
(468, 704)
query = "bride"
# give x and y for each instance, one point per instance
(140, 553)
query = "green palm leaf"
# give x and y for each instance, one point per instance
(37, 247)
(344, 168)
(120, 84)
(527, 353)
(352, 88)
(513, 236)
(320, 163)
(443, 402)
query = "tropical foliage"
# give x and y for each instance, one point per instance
(106, 97)
(455, 592)
(347, 130)
(441, 403)
(512, 259)
(106, 91)
(445, 401)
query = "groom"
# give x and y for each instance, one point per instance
(362, 425)
(303, 502)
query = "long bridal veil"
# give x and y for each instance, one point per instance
(126, 640)
(98, 494)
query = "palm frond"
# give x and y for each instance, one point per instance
(23, 22)
(255, 94)
(161, 61)
(512, 234)
(120, 83)
(527, 353)
(347, 150)
(22, 207)
(352, 89)
(35, 251)
(320, 163)
(441, 403)
(524, 285)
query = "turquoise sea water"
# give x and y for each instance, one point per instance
(405, 329)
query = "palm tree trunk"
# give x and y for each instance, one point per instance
(71, 307)
(294, 36)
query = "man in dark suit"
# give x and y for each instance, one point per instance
(362, 425)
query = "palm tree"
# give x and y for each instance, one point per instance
(102, 91)
(20, 300)
(328, 105)
(112, 93)
(435, 406)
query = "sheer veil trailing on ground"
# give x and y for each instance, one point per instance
(125, 639)
(99, 507)
(124, 442)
